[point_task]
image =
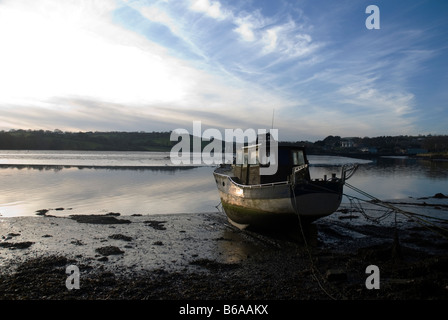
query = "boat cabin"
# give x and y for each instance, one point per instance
(292, 164)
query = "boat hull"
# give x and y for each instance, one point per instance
(276, 204)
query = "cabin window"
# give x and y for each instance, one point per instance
(247, 156)
(253, 156)
(241, 157)
(298, 158)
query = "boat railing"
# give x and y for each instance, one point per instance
(348, 171)
(253, 186)
(300, 168)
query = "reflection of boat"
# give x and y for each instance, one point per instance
(251, 199)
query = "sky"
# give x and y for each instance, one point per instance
(311, 68)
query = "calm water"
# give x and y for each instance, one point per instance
(147, 182)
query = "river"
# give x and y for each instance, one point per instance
(79, 182)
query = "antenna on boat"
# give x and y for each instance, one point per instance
(273, 118)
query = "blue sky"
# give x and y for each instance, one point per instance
(145, 65)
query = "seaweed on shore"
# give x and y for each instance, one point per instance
(16, 245)
(158, 225)
(109, 250)
(98, 219)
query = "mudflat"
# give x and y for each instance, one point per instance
(202, 257)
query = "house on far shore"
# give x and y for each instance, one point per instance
(347, 143)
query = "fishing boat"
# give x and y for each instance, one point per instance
(250, 199)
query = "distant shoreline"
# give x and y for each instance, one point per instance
(434, 147)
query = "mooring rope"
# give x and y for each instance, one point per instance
(421, 219)
(314, 269)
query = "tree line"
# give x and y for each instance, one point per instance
(160, 141)
(101, 141)
(385, 144)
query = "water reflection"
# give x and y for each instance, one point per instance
(96, 190)
(128, 189)
(57, 168)
(394, 178)
(410, 166)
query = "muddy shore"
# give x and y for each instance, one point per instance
(202, 257)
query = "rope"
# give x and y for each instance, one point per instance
(313, 268)
(421, 219)
(356, 204)
(411, 215)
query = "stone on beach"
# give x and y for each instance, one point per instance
(109, 250)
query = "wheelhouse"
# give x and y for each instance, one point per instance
(249, 160)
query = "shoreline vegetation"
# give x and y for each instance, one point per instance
(425, 147)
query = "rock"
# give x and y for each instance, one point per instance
(98, 219)
(115, 214)
(41, 212)
(77, 243)
(158, 225)
(12, 234)
(440, 196)
(16, 245)
(120, 237)
(109, 250)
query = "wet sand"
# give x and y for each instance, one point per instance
(198, 257)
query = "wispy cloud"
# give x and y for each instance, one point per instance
(245, 29)
(210, 8)
(166, 63)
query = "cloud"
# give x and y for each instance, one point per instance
(272, 34)
(78, 72)
(245, 30)
(155, 14)
(210, 8)
(85, 70)
(164, 64)
(46, 55)
(249, 25)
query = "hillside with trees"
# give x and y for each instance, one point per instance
(160, 141)
(429, 146)
(101, 141)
